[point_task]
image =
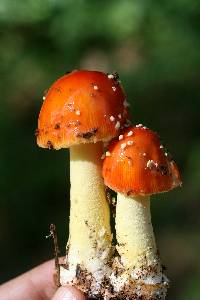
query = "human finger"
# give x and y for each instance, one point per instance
(36, 284)
(68, 293)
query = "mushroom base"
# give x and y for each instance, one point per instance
(93, 286)
(134, 290)
(116, 283)
(144, 283)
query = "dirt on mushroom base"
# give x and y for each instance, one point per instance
(138, 283)
(122, 290)
(142, 292)
(87, 283)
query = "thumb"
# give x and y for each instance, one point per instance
(68, 293)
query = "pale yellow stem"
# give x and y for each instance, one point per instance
(136, 242)
(90, 235)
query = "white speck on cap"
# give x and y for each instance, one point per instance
(151, 164)
(43, 97)
(161, 146)
(130, 133)
(114, 88)
(108, 153)
(110, 76)
(130, 143)
(112, 119)
(139, 125)
(117, 126)
(95, 87)
(123, 146)
(125, 103)
(144, 154)
(119, 116)
(166, 153)
(78, 112)
(103, 156)
(121, 137)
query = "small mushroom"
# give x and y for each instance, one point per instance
(134, 182)
(83, 114)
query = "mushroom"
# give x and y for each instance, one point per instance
(81, 111)
(137, 168)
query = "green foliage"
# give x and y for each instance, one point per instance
(155, 47)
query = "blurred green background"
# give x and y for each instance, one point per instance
(154, 45)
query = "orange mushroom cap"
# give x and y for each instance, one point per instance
(81, 107)
(138, 165)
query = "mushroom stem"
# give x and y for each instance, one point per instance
(136, 242)
(90, 235)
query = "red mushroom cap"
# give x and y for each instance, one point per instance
(81, 107)
(138, 165)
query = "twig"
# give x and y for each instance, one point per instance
(53, 235)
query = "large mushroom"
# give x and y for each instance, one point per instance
(82, 110)
(138, 167)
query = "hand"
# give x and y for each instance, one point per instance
(38, 284)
